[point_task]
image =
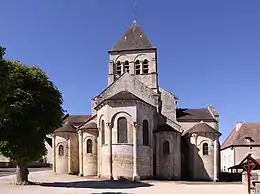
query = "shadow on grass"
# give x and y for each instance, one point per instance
(99, 184)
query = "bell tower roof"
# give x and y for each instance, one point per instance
(133, 39)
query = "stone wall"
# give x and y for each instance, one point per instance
(168, 104)
(122, 160)
(168, 166)
(149, 79)
(203, 167)
(90, 159)
(61, 162)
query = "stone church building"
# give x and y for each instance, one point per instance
(135, 130)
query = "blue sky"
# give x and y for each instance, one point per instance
(208, 51)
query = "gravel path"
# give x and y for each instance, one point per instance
(49, 183)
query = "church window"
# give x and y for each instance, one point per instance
(137, 67)
(122, 130)
(205, 149)
(61, 150)
(126, 66)
(118, 68)
(89, 146)
(145, 66)
(103, 132)
(145, 133)
(166, 147)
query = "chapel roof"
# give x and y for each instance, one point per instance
(66, 127)
(201, 128)
(247, 134)
(77, 120)
(90, 125)
(194, 115)
(165, 127)
(133, 39)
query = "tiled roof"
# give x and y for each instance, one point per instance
(194, 115)
(201, 128)
(66, 127)
(133, 39)
(90, 125)
(239, 135)
(165, 127)
(77, 120)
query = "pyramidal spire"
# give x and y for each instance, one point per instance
(133, 39)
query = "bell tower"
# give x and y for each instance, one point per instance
(134, 54)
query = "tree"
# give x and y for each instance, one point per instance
(30, 108)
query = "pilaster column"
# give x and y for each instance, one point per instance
(80, 137)
(53, 153)
(99, 153)
(135, 147)
(110, 155)
(194, 154)
(216, 162)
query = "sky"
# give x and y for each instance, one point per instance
(208, 51)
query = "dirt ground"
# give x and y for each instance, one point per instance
(49, 183)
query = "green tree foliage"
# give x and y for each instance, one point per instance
(30, 108)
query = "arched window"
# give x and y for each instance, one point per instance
(145, 67)
(118, 68)
(166, 147)
(205, 149)
(103, 138)
(61, 150)
(137, 67)
(145, 133)
(126, 66)
(89, 146)
(122, 130)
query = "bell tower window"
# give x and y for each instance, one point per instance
(137, 67)
(126, 66)
(145, 67)
(118, 68)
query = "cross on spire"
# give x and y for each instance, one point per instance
(134, 11)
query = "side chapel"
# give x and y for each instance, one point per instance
(135, 130)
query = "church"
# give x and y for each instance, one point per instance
(135, 130)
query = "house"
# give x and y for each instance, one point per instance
(244, 139)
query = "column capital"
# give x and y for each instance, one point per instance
(109, 124)
(194, 135)
(135, 124)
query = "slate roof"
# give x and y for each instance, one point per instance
(238, 136)
(66, 127)
(194, 115)
(133, 39)
(201, 128)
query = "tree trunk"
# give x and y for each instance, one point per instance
(22, 173)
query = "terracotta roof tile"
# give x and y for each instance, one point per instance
(246, 135)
